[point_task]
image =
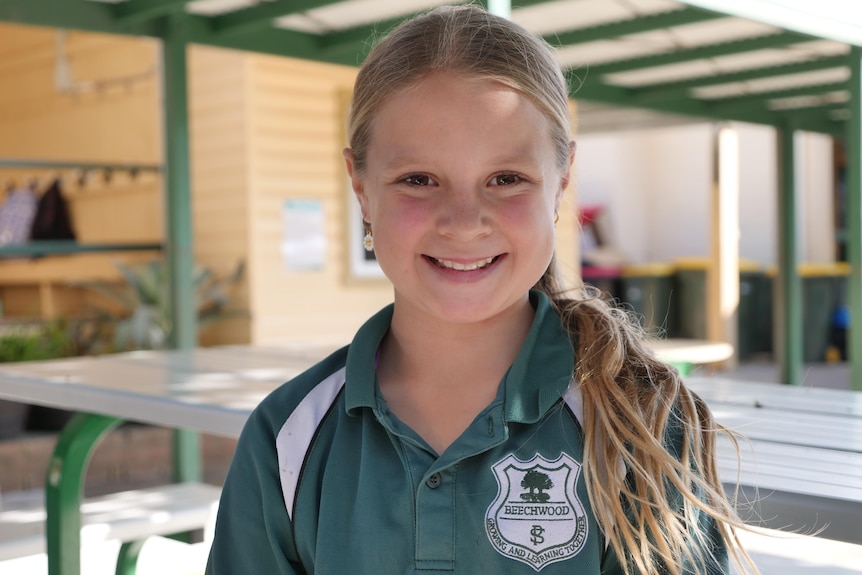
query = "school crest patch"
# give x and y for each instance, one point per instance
(537, 517)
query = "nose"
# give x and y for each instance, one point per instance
(464, 214)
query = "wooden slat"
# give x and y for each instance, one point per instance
(63, 269)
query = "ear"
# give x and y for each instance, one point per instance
(356, 182)
(567, 175)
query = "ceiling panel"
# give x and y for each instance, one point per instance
(562, 15)
(344, 15)
(821, 77)
(214, 7)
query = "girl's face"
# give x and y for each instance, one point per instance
(461, 189)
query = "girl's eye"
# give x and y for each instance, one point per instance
(418, 180)
(505, 180)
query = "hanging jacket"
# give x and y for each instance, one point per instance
(53, 220)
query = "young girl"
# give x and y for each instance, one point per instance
(485, 422)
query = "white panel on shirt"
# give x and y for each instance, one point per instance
(294, 438)
(575, 400)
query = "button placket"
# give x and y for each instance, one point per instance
(435, 522)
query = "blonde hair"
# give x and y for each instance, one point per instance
(462, 39)
(633, 403)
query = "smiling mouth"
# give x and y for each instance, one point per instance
(463, 267)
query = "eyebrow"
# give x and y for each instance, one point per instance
(401, 160)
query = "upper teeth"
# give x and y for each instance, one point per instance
(464, 267)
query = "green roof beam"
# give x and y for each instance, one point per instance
(597, 92)
(143, 10)
(77, 15)
(676, 90)
(357, 40)
(607, 94)
(260, 16)
(637, 25)
(778, 40)
(812, 120)
(274, 41)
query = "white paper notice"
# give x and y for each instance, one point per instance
(303, 245)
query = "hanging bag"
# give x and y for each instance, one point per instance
(17, 214)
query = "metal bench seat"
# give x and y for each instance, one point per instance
(124, 516)
(805, 489)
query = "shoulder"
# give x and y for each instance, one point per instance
(314, 389)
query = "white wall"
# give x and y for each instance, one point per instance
(758, 194)
(657, 185)
(610, 171)
(817, 207)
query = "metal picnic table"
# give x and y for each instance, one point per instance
(213, 390)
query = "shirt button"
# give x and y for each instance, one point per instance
(434, 481)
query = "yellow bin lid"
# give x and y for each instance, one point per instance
(813, 270)
(703, 263)
(696, 263)
(652, 269)
(830, 269)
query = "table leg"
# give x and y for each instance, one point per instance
(127, 560)
(64, 489)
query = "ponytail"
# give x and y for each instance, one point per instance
(650, 446)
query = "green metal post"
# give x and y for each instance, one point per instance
(64, 487)
(187, 465)
(854, 217)
(789, 316)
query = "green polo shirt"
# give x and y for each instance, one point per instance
(326, 480)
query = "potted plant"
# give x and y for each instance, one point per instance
(141, 317)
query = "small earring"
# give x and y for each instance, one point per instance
(368, 241)
(556, 217)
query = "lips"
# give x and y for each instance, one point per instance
(463, 266)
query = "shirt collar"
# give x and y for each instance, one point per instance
(361, 376)
(537, 379)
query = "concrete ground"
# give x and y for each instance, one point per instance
(775, 553)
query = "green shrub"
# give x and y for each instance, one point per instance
(35, 341)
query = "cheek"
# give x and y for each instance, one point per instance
(403, 217)
(536, 217)
(398, 230)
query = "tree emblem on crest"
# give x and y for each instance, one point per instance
(535, 480)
